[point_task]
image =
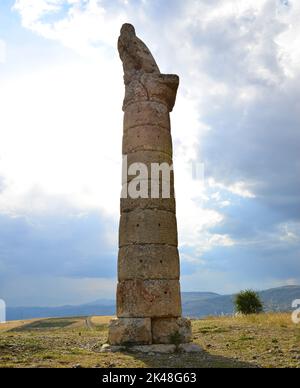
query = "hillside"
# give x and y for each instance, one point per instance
(195, 304)
(17, 313)
(267, 340)
(275, 299)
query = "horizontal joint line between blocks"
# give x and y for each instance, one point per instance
(145, 101)
(155, 210)
(148, 244)
(145, 125)
(139, 208)
(150, 150)
(132, 244)
(146, 279)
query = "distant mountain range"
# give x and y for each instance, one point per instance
(195, 305)
(274, 299)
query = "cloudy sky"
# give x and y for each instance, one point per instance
(237, 114)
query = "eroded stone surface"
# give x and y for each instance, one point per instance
(190, 348)
(142, 76)
(168, 330)
(148, 261)
(148, 227)
(157, 348)
(161, 88)
(146, 113)
(134, 54)
(154, 348)
(148, 298)
(129, 204)
(146, 165)
(128, 331)
(147, 138)
(107, 348)
(150, 189)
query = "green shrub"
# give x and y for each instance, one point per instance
(248, 302)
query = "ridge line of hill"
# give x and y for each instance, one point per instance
(195, 305)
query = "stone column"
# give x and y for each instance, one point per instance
(148, 292)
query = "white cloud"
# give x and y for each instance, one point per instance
(74, 152)
(88, 27)
(80, 25)
(242, 189)
(2, 51)
(33, 10)
(289, 232)
(288, 41)
(61, 135)
(63, 124)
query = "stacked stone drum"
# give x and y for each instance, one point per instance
(148, 291)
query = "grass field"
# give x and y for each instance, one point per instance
(267, 340)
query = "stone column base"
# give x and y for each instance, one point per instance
(147, 331)
(171, 330)
(130, 331)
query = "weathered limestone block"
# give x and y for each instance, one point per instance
(155, 348)
(148, 262)
(128, 331)
(148, 298)
(148, 157)
(134, 54)
(152, 190)
(148, 227)
(129, 204)
(141, 71)
(135, 92)
(161, 88)
(146, 113)
(168, 330)
(147, 138)
(147, 165)
(190, 348)
(107, 348)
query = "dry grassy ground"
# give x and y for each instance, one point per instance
(14, 324)
(268, 340)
